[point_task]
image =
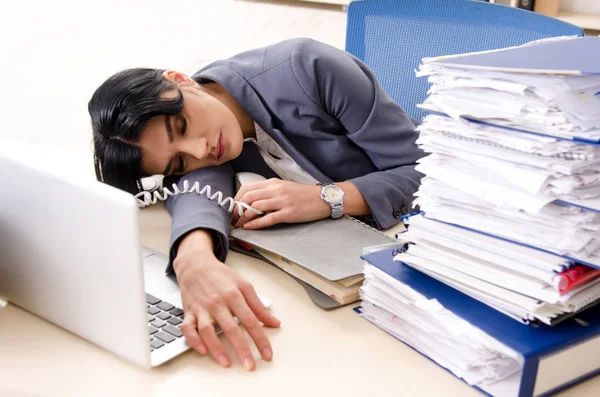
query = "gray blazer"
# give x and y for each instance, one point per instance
(325, 108)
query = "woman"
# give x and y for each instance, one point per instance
(297, 112)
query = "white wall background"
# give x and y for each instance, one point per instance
(56, 52)
(581, 6)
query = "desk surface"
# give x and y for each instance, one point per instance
(315, 353)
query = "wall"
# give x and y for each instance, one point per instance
(581, 6)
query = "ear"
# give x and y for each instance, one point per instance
(178, 77)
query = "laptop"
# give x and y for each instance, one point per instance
(71, 254)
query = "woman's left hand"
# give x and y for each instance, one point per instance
(281, 201)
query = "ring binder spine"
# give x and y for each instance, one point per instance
(588, 298)
(369, 227)
(480, 141)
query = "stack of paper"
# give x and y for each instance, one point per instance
(461, 333)
(549, 86)
(433, 330)
(511, 199)
(516, 280)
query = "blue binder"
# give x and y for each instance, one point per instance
(538, 346)
(569, 259)
(577, 56)
(477, 121)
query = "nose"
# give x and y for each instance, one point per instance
(198, 148)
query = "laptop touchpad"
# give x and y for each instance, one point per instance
(156, 281)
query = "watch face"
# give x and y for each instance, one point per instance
(333, 194)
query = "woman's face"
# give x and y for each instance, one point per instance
(205, 133)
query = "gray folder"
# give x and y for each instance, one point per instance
(330, 248)
(319, 298)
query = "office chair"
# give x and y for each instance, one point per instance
(392, 36)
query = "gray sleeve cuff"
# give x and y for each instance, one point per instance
(389, 194)
(192, 211)
(220, 242)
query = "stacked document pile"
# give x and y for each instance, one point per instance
(510, 197)
(433, 330)
(482, 346)
(508, 226)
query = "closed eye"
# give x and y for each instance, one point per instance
(183, 122)
(181, 165)
(183, 128)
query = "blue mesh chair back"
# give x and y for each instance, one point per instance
(391, 36)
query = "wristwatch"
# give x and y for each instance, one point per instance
(334, 196)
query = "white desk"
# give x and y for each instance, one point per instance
(316, 353)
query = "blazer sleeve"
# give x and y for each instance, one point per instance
(347, 89)
(192, 211)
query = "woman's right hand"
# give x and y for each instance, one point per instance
(212, 295)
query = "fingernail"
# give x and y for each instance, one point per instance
(267, 353)
(223, 360)
(248, 364)
(202, 349)
(247, 225)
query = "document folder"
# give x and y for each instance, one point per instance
(554, 357)
(576, 56)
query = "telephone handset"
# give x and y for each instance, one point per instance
(153, 192)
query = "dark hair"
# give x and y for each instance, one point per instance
(119, 109)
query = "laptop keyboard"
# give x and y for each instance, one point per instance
(164, 320)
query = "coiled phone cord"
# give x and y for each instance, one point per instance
(146, 198)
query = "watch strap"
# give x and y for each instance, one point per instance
(337, 210)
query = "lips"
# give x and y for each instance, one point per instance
(220, 147)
